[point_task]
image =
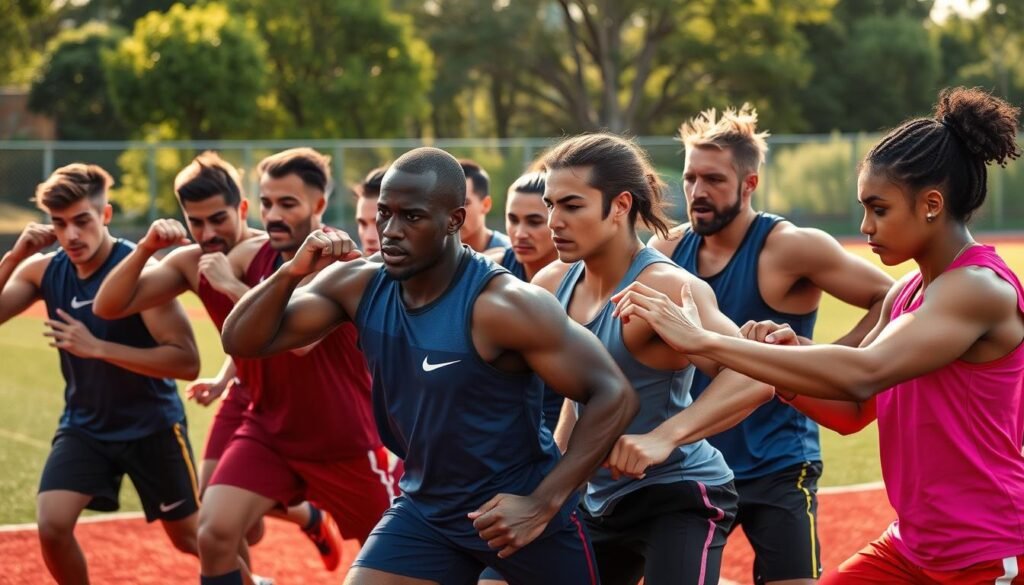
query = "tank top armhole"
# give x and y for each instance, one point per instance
(493, 273)
(369, 293)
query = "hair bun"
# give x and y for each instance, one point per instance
(985, 124)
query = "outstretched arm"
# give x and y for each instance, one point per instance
(960, 307)
(274, 316)
(571, 360)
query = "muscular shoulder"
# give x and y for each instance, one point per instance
(495, 255)
(975, 291)
(806, 248)
(669, 279)
(242, 254)
(33, 269)
(345, 281)
(512, 311)
(184, 257)
(551, 276)
(668, 245)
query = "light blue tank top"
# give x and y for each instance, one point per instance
(663, 394)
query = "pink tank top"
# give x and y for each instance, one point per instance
(951, 443)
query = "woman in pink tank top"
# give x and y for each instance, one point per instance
(942, 371)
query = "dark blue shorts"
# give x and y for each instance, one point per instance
(404, 543)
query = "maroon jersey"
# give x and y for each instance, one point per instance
(315, 406)
(218, 305)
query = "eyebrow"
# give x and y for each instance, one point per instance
(566, 199)
(871, 199)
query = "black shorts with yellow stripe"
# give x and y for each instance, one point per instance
(160, 465)
(779, 515)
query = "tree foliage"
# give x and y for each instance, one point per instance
(200, 70)
(71, 85)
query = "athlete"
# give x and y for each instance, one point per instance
(943, 369)
(122, 414)
(460, 351)
(662, 508)
(762, 267)
(211, 199)
(309, 433)
(475, 232)
(526, 221)
(366, 210)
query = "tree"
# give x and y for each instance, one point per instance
(71, 85)
(342, 68)
(199, 70)
(16, 19)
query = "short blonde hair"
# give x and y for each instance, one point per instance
(736, 130)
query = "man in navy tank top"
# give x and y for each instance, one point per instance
(460, 351)
(122, 414)
(309, 433)
(663, 506)
(762, 267)
(210, 195)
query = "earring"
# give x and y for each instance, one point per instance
(930, 218)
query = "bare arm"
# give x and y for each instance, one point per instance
(847, 277)
(22, 268)
(205, 390)
(174, 356)
(571, 360)
(133, 287)
(275, 317)
(960, 307)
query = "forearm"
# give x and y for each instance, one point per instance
(823, 371)
(256, 320)
(227, 370)
(162, 361)
(234, 289)
(729, 399)
(8, 264)
(863, 327)
(841, 416)
(116, 297)
(566, 422)
(607, 414)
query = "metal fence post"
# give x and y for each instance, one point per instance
(47, 161)
(339, 183)
(854, 161)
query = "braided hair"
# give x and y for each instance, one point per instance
(969, 129)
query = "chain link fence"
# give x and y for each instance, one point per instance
(809, 178)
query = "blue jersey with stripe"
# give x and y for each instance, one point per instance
(552, 400)
(663, 394)
(101, 399)
(498, 240)
(774, 436)
(466, 430)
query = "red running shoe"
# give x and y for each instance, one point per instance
(327, 539)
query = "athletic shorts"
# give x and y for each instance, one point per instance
(880, 563)
(160, 466)
(669, 533)
(405, 543)
(229, 417)
(779, 515)
(355, 491)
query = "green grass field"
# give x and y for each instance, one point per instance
(31, 392)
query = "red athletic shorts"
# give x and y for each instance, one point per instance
(227, 420)
(355, 491)
(881, 563)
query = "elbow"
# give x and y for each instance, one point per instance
(106, 310)
(630, 401)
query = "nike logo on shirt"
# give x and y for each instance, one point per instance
(429, 367)
(168, 507)
(77, 304)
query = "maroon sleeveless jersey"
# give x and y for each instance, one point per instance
(218, 305)
(311, 407)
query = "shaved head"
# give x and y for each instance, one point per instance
(430, 173)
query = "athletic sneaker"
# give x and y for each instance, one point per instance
(257, 580)
(327, 539)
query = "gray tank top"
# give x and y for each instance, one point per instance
(663, 394)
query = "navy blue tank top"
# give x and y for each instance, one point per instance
(466, 430)
(101, 399)
(552, 400)
(774, 436)
(663, 394)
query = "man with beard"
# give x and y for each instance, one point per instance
(762, 267)
(211, 199)
(309, 433)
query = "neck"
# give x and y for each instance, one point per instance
(289, 254)
(89, 268)
(425, 287)
(729, 238)
(605, 267)
(478, 241)
(532, 268)
(944, 249)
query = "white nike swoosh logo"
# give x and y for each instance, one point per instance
(168, 507)
(77, 304)
(429, 367)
